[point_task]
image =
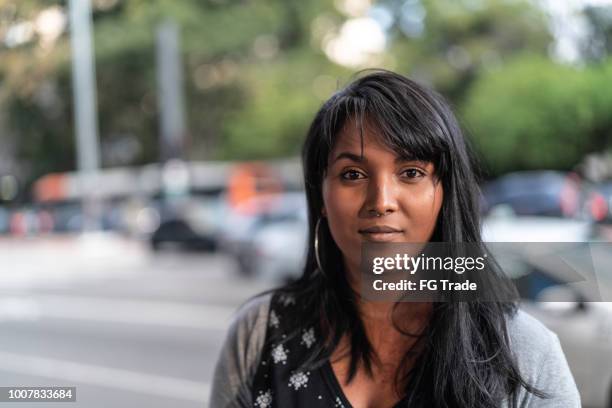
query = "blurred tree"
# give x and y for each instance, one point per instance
(285, 95)
(448, 43)
(598, 44)
(533, 114)
(241, 101)
(255, 72)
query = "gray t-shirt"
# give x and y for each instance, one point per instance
(538, 351)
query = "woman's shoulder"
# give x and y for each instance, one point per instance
(253, 311)
(250, 320)
(528, 335)
(256, 314)
(240, 353)
(531, 342)
(542, 362)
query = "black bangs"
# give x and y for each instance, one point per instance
(409, 119)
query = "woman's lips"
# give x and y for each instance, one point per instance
(381, 236)
(380, 233)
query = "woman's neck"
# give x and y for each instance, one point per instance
(390, 317)
(382, 314)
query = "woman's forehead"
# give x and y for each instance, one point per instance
(354, 136)
(362, 141)
(359, 144)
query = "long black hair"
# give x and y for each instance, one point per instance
(465, 359)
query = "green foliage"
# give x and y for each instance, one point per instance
(284, 101)
(533, 113)
(225, 81)
(599, 44)
(254, 75)
(460, 38)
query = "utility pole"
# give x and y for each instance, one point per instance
(85, 109)
(175, 177)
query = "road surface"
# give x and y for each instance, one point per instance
(125, 326)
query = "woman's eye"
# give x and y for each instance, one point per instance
(412, 173)
(352, 175)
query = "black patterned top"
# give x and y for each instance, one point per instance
(278, 381)
(256, 369)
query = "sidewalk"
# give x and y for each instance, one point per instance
(32, 261)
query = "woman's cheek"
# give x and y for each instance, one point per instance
(342, 213)
(431, 210)
(341, 218)
(344, 200)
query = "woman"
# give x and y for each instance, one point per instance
(385, 160)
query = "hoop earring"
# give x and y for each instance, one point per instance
(316, 246)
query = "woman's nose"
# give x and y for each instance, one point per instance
(381, 197)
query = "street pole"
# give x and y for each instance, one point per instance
(85, 109)
(175, 172)
(170, 88)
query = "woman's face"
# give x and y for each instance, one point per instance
(380, 198)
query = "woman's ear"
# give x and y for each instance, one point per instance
(323, 212)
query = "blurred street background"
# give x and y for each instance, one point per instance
(127, 328)
(150, 179)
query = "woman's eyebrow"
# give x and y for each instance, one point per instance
(402, 159)
(362, 159)
(351, 156)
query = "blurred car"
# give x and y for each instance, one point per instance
(584, 328)
(238, 235)
(24, 221)
(178, 232)
(279, 247)
(538, 193)
(505, 226)
(600, 204)
(190, 224)
(4, 220)
(67, 217)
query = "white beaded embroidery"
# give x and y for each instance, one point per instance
(308, 338)
(279, 354)
(274, 320)
(299, 380)
(287, 300)
(264, 399)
